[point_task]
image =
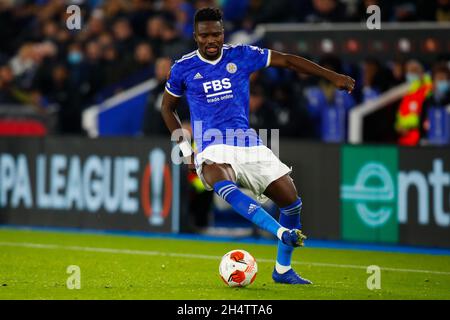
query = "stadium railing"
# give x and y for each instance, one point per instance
(358, 113)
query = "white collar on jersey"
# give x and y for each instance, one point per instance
(213, 62)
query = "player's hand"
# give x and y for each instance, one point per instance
(343, 82)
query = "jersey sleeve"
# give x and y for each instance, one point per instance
(256, 58)
(175, 84)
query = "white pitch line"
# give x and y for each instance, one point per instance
(196, 256)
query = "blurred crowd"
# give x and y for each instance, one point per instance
(122, 43)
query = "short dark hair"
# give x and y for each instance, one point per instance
(207, 14)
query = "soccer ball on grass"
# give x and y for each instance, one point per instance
(238, 268)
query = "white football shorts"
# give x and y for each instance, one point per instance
(254, 167)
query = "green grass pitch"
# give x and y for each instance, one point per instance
(33, 265)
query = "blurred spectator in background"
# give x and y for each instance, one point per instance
(283, 98)
(407, 122)
(376, 79)
(154, 29)
(325, 96)
(153, 123)
(93, 64)
(288, 104)
(63, 93)
(442, 12)
(50, 31)
(95, 26)
(76, 65)
(184, 12)
(261, 114)
(173, 45)
(105, 40)
(235, 11)
(113, 67)
(24, 63)
(404, 10)
(397, 68)
(125, 41)
(144, 60)
(138, 14)
(438, 10)
(121, 40)
(115, 8)
(439, 97)
(10, 93)
(326, 11)
(63, 38)
(272, 11)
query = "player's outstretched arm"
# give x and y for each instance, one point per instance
(302, 65)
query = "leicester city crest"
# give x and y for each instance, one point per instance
(231, 67)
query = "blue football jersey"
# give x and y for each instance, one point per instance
(218, 93)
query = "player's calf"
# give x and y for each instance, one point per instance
(252, 210)
(290, 219)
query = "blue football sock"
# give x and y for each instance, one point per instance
(290, 219)
(246, 206)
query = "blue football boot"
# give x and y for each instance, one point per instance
(289, 277)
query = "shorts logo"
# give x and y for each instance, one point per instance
(231, 67)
